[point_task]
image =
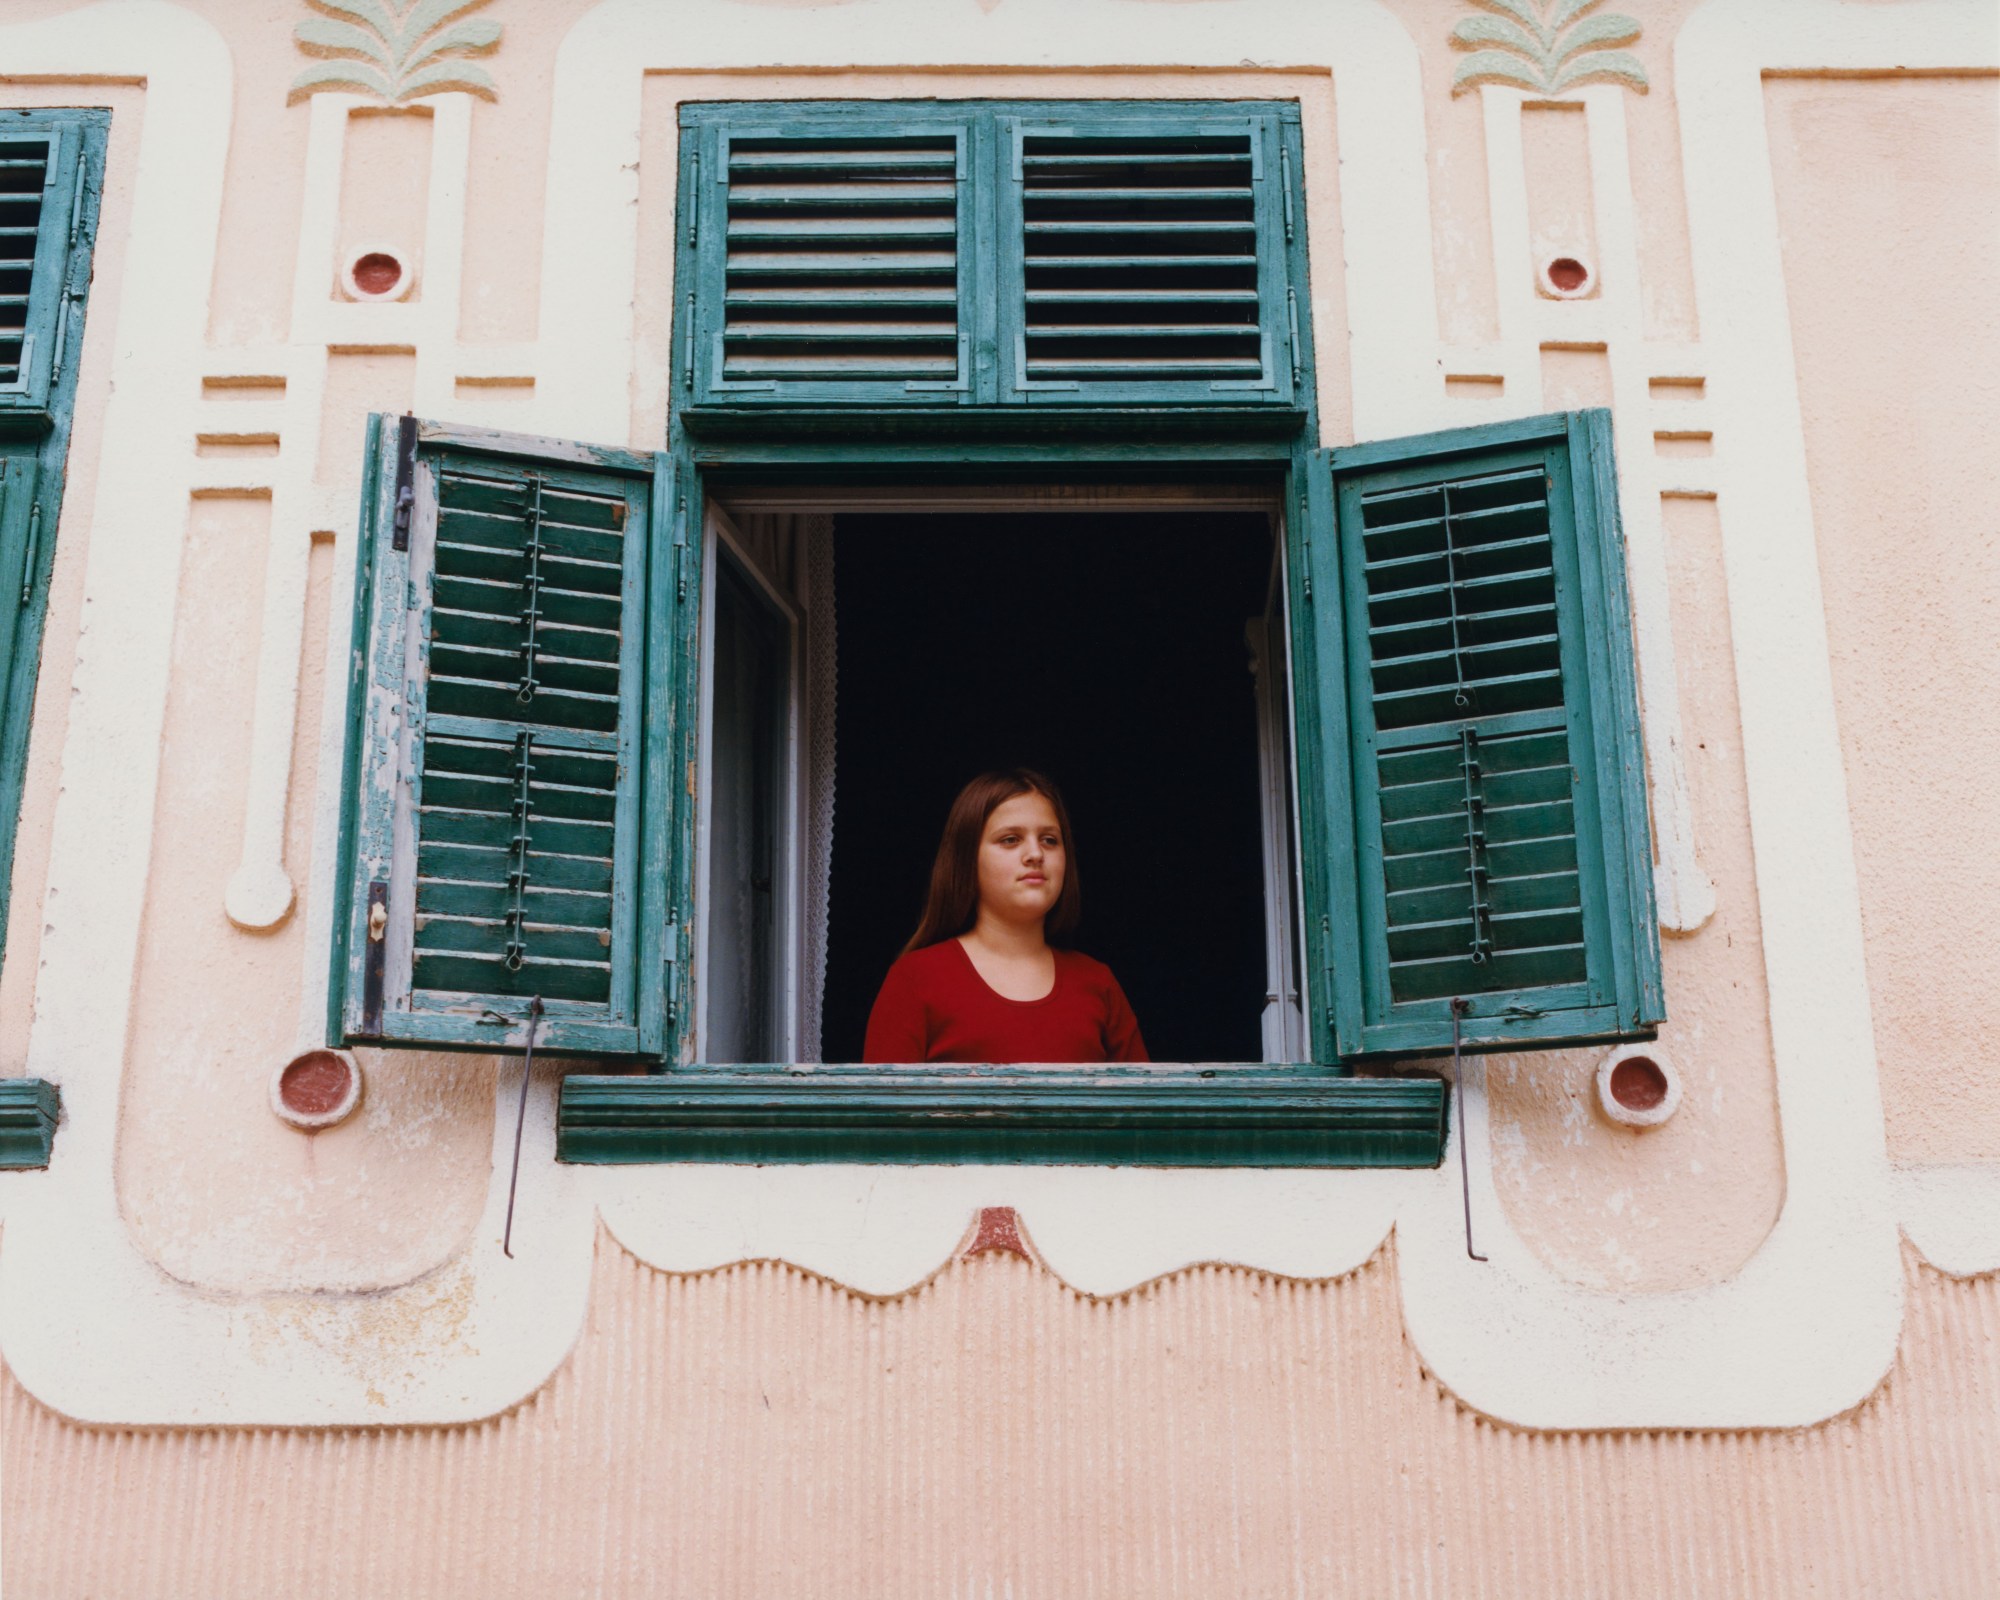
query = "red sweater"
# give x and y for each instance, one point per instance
(934, 1006)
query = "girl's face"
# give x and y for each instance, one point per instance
(1021, 859)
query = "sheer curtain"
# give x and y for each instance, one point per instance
(814, 534)
(794, 552)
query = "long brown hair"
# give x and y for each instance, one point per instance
(953, 905)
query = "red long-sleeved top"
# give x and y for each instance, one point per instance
(934, 1006)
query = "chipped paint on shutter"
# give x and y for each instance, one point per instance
(501, 800)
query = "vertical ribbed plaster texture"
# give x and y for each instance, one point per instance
(760, 1431)
(1887, 194)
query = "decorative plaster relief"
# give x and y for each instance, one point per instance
(1804, 1331)
(400, 50)
(1546, 47)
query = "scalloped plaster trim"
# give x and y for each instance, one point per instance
(1951, 1213)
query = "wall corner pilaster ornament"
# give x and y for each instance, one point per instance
(1546, 47)
(399, 50)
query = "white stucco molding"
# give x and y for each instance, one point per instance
(1809, 1326)
(1951, 1213)
(590, 238)
(88, 1324)
(1615, 319)
(1805, 1330)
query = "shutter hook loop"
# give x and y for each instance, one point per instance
(1459, 1007)
(521, 1122)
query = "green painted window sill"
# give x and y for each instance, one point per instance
(29, 1109)
(1157, 1117)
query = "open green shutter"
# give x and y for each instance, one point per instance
(1145, 255)
(43, 189)
(495, 809)
(825, 256)
(1496, 790)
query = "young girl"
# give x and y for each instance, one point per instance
(979, 979)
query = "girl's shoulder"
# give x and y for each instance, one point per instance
(940, 960)
(1085, 970)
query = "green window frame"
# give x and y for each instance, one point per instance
(51, 190)
(1470, 779)
(980, 253)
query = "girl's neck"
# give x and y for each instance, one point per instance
(1008, 939)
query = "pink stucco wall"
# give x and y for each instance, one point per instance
(758, 1431)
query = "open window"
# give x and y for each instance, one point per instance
(1136, 652)
(993, 447)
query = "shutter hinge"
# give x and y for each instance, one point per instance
(63, 303)
(374, 959)
(70, 294)
(1326, 968)
(673, 964)
(76, 200)
(406, 475)
(34, 551)
(694, 199)
(680, 550)
(1305, 553)
(1292, 322)
(1285, 183)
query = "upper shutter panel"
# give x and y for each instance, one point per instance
(498, 827)
(24, 176)
(41, 213)
(1149, 261)
(838, 265)
(1498, 798)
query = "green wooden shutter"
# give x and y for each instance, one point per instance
(1482, 678)
(496, 832)
(825, 255)
(43, 193)
(1147, 254)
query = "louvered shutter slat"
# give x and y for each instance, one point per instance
(839, 272)
(1148, 264)
(1468, 532)
(24, 175)
(45, 221)
(1488, 800)
(502, 838)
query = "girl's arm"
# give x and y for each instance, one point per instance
(896, 1027)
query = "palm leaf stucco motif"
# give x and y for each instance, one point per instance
(1546, 46)
(398, 49)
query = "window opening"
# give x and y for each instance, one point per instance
(1118, 650)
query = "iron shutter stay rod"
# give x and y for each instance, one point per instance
(1459, 1006)
(521, 1122)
